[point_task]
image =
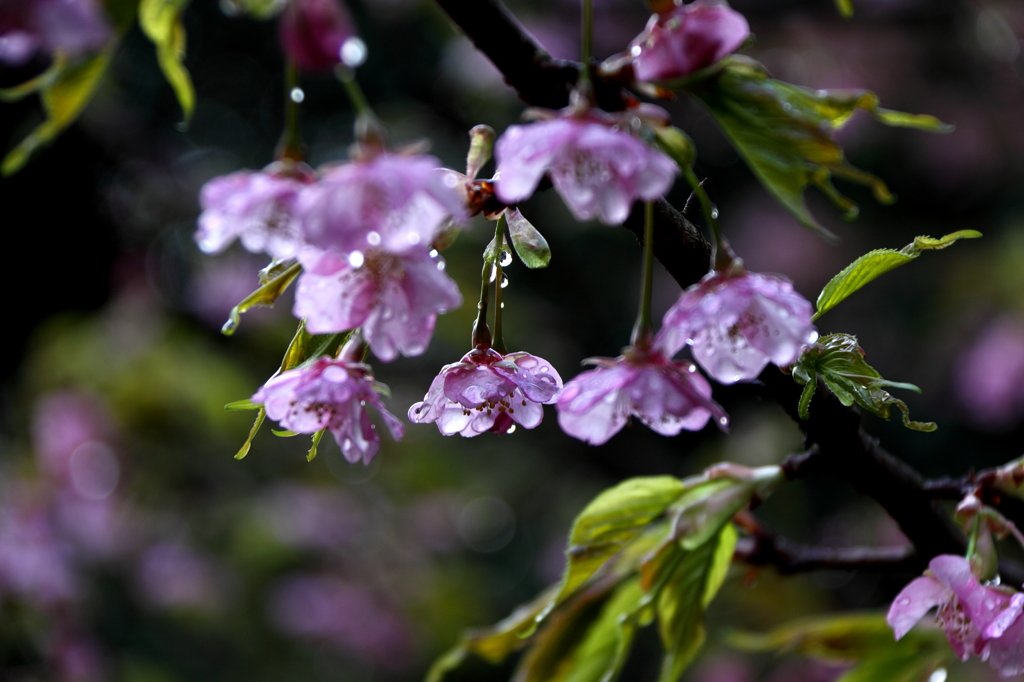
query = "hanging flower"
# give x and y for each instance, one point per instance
(312, 33)
(598, 170)
(395, 299)
(978, 619)
(738, 322)
(667, 396)
(255, 207)
(392, 202)
(687, 39)
(330, 394)
(67, 27)
(488, 391)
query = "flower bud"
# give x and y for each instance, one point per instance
(313, 32)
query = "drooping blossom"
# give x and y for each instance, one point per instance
(979, 620)
(598, 170)
(255, 207)
(738, 323)
(488, 391)
(67, 27)
(313, 32)
(395, 299)
(392, 202)
(330, 393)
(687, 39)
(666, 395)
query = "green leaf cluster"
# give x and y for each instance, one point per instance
(529, 244)
(274, 279)
(878, 262)
(649, 549)
(840, 363)
(784, 132)
(864, 639)
(68, 86)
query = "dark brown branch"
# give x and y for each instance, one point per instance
(789, 557)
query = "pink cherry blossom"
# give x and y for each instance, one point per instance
(978, 619)
(69, 27)
(687, 39)
(329, 393)
(598, 170)
(313, 31)
(255, 207)
(488, 391)
(738, 323)
(393, 202)
(395, 299)
(667, 396)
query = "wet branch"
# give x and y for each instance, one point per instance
(790, 557)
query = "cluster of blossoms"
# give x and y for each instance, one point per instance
(979, 620)
(364, 231)
(68, 28)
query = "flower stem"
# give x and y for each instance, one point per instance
(586, 41)
(723, 255)
(642, 329)
(290, 144)
(481, 333)
(499, 241)
(369, 129)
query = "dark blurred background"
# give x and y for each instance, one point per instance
(134, 547)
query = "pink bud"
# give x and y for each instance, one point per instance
(687, 39)
(313, 31)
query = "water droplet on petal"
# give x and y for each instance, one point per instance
(373, 238)
(356, 259)
(433, 253)
(353, 52)
(635, 50)
(724, 421)
(413, 238)
(297, 95)
(440, 265)
(511, 429)
(714, 213)
(505, 259)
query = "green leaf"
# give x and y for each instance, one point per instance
(265, 295)
(610, 522)
(244, 450)
(677, 145)
(161, 21)
(43, 80)
(64, 96)
(695, 581)
(246, 404)
(861, 638)
(280, 433)
(840, 363)
(495, 643)
(845, 8)
(876, 263)
(530, 245)
(257, 9)
(784, 132)
(311, 455)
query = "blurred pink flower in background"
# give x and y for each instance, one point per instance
(687, 39)
(488, 391)
(68, 27)
(989, 375)
(308, 517)
(598, 170)
(326, 608)
(63, 421)
(173, 575)
(667, 396)
(34, 563)
(312, 33)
